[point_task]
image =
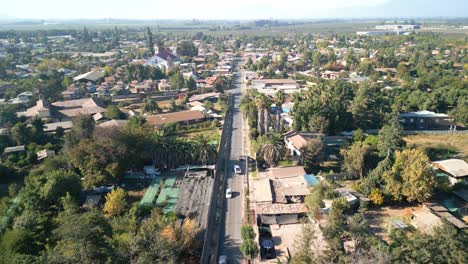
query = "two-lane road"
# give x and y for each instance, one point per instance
(231, 237)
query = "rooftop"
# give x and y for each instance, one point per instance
(423, 114)
(455, 167)
(284, 172)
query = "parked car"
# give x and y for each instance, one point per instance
(228, 194)
(222, 259)
(237, 169)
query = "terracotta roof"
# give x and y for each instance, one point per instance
(299, 140)
(157, 120)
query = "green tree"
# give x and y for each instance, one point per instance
(150, 43)
(390, 138)
(113, 112)
(177, 80)
(58, 183)
(355, 159)
(205, 151)
(411, 177)
(247, 232)
(81, 238)
(115, 203)
(279, 100)
(272, 149)
(191, 84)
(312, 153)
(249, 249)
(151, 106)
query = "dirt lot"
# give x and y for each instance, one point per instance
(441, 146)
(379, 218)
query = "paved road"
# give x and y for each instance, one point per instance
(231, 235)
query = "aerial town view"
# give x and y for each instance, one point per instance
(215, 132)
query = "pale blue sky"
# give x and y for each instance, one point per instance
(233, 9)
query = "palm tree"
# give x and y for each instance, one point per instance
(260, 104)
(204, 152)
(266, 115)
(272, 149)
(280, 97)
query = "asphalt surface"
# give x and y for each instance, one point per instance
(231, 233)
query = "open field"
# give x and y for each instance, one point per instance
(441, 146)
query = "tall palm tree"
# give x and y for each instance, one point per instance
(266, 115)
(204, 152)
(272, 149)
(280, 97)
(260, 104)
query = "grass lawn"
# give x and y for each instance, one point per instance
(441, 146)
(212, 133)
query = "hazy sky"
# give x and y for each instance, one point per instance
(233, 9)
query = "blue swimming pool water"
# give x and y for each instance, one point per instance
(311, 179)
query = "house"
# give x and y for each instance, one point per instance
(14, 149)
(52, 127)
(455, 169)
(63, 110)
(279, 195)
(294, 141)
(45, 153)
(330, 75)
(71, 93)
(182, 118)
(22, 98)
(165, 59)
(41, 109)
(271, 86)
(426, 120)
(164, 85)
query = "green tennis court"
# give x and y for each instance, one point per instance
(169, 195)
(151, 192)
(168, 198)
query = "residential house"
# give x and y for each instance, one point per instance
(164, 85)
(426, 120)
(52, 127)
(330, 75)
(295, 141)
(182, 118)
(279, 195)
(455, 169)
(45, 153)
